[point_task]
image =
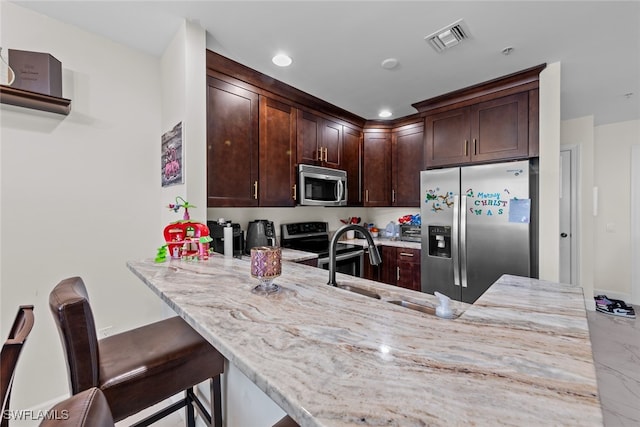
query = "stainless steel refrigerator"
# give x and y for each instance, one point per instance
(478, 223)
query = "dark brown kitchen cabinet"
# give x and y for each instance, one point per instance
(352, 164)
(276, 185)
(319, 140)
(312, 262)
(408, 268)
(496, 129)
(407, 154)
(232, 145)
(376, 162)
(371, 272)
(401, 267)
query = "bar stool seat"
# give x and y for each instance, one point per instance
(88, 408)
(138, 368)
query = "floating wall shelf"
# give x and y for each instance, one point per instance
(34, 100)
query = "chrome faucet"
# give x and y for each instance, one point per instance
(374, 255)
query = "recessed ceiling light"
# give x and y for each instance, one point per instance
(281, 60)
(389, 63)
(384, 114)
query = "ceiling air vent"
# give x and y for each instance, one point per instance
(448, 36)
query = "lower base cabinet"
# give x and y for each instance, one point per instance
(313, 262)
(400, 267)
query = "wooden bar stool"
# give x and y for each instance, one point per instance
(138, 368)
(88, 408)
(10, 353)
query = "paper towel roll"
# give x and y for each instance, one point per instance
(228, 241)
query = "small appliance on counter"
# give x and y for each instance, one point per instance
(410, 233)
(260, 232)
(216, 231)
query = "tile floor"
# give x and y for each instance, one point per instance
(616, 353)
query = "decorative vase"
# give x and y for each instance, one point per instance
(266, 265)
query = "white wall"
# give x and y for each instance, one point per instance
(612, 226)
(380, 217)
(79, 192)
(549, 178)
(579, 132)
(184, 100)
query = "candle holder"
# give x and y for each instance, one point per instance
(266, 265)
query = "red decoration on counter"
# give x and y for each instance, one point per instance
(187, 239)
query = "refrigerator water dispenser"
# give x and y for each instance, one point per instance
(440, 241)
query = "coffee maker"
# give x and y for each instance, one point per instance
(216, 232)
(260, 233)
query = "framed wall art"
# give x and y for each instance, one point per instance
(171, 158)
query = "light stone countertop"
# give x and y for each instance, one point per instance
(520, 355)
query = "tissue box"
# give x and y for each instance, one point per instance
(37, 72)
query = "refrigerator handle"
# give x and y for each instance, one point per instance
(455, 239)
(463, 240)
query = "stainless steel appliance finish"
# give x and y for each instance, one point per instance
(374, 255)
(318, 186)
(351, 263)
(260, 232)
(314, 237)
(410, 233)
(478, 222)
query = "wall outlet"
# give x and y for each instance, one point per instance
(104, 332)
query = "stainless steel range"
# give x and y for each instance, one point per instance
(314, 237)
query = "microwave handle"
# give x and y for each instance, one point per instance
(340, 190)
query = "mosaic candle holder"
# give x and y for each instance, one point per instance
(266, 265)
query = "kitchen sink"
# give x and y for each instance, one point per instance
(418, 307)
(360, 291)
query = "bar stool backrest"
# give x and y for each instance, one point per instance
(10, 353)
(69, 303)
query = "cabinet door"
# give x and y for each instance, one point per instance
(371, 272)
(408, 160)
(232, 145)
(408, 268)
(389, 266)
(352, 163)
(377, 168)
(500, 128)
(447, 137)
(277, 153)
(331, 143)
(308, 138)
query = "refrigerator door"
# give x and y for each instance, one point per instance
(495, 217)
(439, 189)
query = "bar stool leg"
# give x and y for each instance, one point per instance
(189, 410)
(216, 401)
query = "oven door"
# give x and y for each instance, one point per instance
(349, 263)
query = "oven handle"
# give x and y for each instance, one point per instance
(342, 257)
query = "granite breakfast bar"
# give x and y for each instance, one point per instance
(520, 355)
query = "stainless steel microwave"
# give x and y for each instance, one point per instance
(318, 186)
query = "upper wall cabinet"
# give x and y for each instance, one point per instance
(484, 132)
(277, 183)
(232, 145)
(319, 141)
(407, 155)
(352, 164)
(377, 168)
(493, 121)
